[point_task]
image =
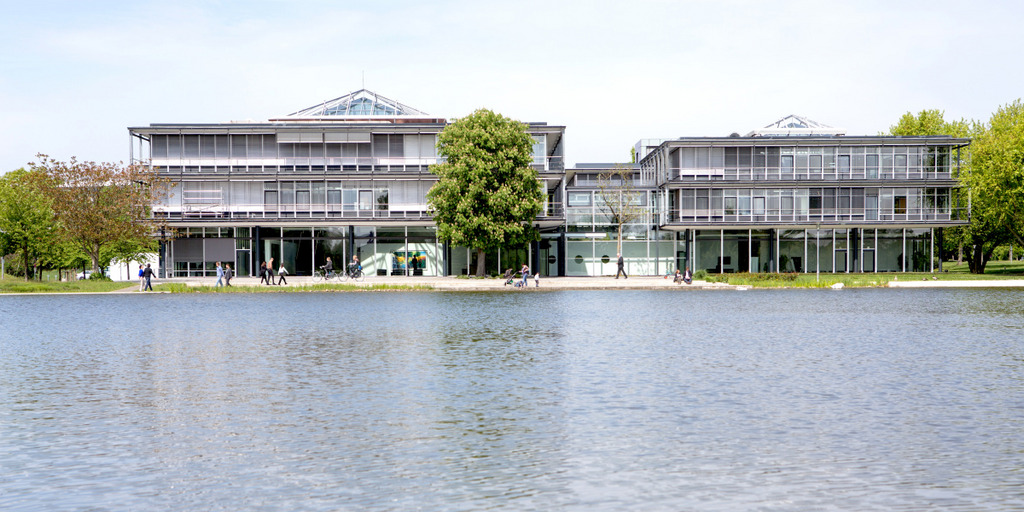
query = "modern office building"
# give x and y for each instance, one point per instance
(345, 177)
(349, 177)
(798, 196)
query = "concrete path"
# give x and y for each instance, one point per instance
(463, 284)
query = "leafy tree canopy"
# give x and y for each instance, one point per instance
(27, 222)
(487, 194)
(993, 178)
(100, 204)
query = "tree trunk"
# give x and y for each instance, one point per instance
(24, 263)
(978, 260)
(620, 239)
(481, 263)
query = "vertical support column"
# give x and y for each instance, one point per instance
(257, 251)
(931, 250)
(903, 258)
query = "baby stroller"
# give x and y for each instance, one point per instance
(509, 276)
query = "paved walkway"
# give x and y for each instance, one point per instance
(463, 284)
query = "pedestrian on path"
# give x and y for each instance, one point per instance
(526, 275)
(270, 271)
(220, 275)
(280, 275)
(142, 278)
(148, 275)
(227, 274)
(622, 269)
(263, 272)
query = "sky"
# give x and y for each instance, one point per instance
(75, 75)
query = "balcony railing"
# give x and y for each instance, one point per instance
(723, 216)
(321, 164)
(786, 174)
(320, 211)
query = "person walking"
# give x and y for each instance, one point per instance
(270, 271)
(263, 272)
(148, 275)
(526, 275)
(142, 278)
(281, 273)
(227, 274)
(622, 268)
(220, 275)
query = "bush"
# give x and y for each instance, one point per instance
(98, 277)
(700, 274)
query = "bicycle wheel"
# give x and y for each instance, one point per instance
(318, 276)
(343, 276)
(359, 275)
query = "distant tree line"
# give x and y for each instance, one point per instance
(69, 215)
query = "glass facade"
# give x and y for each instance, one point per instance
(350, 177)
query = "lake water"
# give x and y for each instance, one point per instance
(572, 400)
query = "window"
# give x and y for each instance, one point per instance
(844, 165)
(579, 199)
(787, 166)
(872, 166)
(899, 205)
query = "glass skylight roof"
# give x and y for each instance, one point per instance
(797, 125)
(361, 103)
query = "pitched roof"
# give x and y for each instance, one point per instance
(797, 125)
(362, 103)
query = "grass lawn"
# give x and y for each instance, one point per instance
(11, 284)
(953, 272)
(184, 288)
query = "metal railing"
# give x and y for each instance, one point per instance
(785, 174)
(319, 211)
(321, 164)
(811, 216)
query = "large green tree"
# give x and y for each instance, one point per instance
(101, 204)
(993, 178)
(487, 193)
(27, 222)
(997, 170)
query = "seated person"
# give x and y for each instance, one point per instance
(678, 277)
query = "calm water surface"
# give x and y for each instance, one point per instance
(603, 400)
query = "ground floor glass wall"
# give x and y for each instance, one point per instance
(403, 250)
(596, 254)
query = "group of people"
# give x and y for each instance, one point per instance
(524, 282)
(267, 273)
(146, 276)
(354, 266)
(224, 275)
(685, 277)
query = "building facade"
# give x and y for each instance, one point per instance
(346, 177)
(350, 176)
(795, 196)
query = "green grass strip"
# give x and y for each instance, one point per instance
(305, 288)
(14, 285)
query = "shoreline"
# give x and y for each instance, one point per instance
(453, 284)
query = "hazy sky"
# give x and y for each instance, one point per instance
(74, 75)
